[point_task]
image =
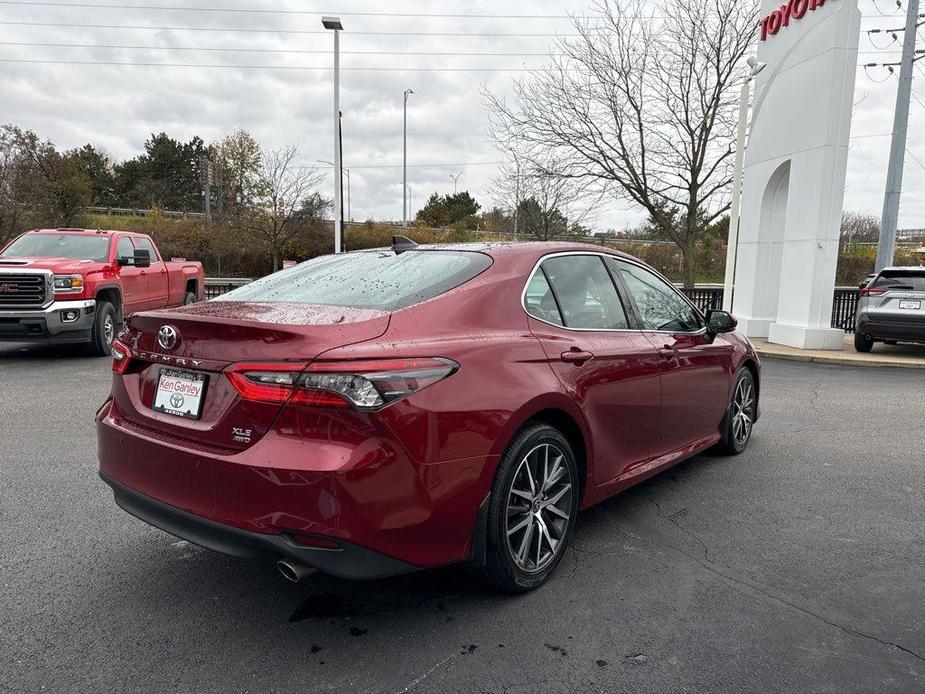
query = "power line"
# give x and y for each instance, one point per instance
(264, 67)
(398, 166)
(252, 10)
(258, 50)
(300, 32)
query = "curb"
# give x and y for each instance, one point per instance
(839, 361)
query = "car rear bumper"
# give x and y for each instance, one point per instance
(349, 561)
(388, 514)
(912, 329)
(50, 324)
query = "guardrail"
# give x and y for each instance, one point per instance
(216, 286)
(706, 297)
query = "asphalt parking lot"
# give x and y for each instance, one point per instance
(797, 567)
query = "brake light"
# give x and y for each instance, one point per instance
(873, 291)
(366, 385)
(121, 357)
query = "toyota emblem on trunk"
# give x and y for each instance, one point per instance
(167, 337)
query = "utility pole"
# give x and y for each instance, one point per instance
(894, 176)
(205, 164)
(516, 194)
(404, 186)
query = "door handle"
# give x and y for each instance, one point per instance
(577, 356)
(668, 352)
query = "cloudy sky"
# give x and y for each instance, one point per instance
(277, 83)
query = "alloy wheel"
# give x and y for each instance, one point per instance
(743, 412)
(109, 329)
(539, 507)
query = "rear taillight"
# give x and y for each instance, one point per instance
(873, 291)
(121, 357)
(366, 385)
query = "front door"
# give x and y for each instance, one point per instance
(134, 280)
(696, 371)
(157, 276)
(610, 370)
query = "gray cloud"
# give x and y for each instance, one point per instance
(116, 107)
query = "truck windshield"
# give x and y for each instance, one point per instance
(65, 245)
(378, 280)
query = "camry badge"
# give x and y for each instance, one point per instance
(167, 337)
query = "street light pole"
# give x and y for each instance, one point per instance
(456, 182)
(404, 187)
(732, 244)
(334, 24)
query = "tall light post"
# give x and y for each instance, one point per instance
(334, 24)
(347, 172)
(456, 182)
(732, 244)
(404, 187)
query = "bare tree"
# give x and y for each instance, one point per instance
(285, 200)
(546, 203)
(859, 227)
(643, 105)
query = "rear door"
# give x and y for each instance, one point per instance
(157, 281)
(134, 280)
(896, 304)
(610, 370)
(695, 371)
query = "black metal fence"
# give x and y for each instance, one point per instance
(705, 297)
(844, 306)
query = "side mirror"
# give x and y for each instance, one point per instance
(719, 322)
(140, 259)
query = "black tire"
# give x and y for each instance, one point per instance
(189, 298)
(737, 432)
(103, 332)
(501, 568)
(862, 343)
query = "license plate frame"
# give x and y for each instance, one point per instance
(910, 304)
(170, 400)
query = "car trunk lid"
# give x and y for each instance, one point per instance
(209, 338)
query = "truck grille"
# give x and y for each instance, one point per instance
(22, 290)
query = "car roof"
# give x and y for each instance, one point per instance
(514, 248)
(94, 232)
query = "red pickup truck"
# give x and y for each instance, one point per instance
(77, 285)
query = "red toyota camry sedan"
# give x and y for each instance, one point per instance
(378, 412)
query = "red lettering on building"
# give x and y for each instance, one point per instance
(779, 18)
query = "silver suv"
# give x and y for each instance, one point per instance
(891, 308)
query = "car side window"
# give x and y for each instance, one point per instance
(586, 295)
(125, 249)
(540, 301)
(143, 244)
(660, 305)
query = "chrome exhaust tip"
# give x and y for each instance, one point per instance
(293, 571)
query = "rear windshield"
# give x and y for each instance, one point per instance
(65, 245)
(908, 280)
(378, 280)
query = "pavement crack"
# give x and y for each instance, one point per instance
(671, 519)
(750, 588)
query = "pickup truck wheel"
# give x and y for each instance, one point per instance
(190, 298)
(104, 329)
